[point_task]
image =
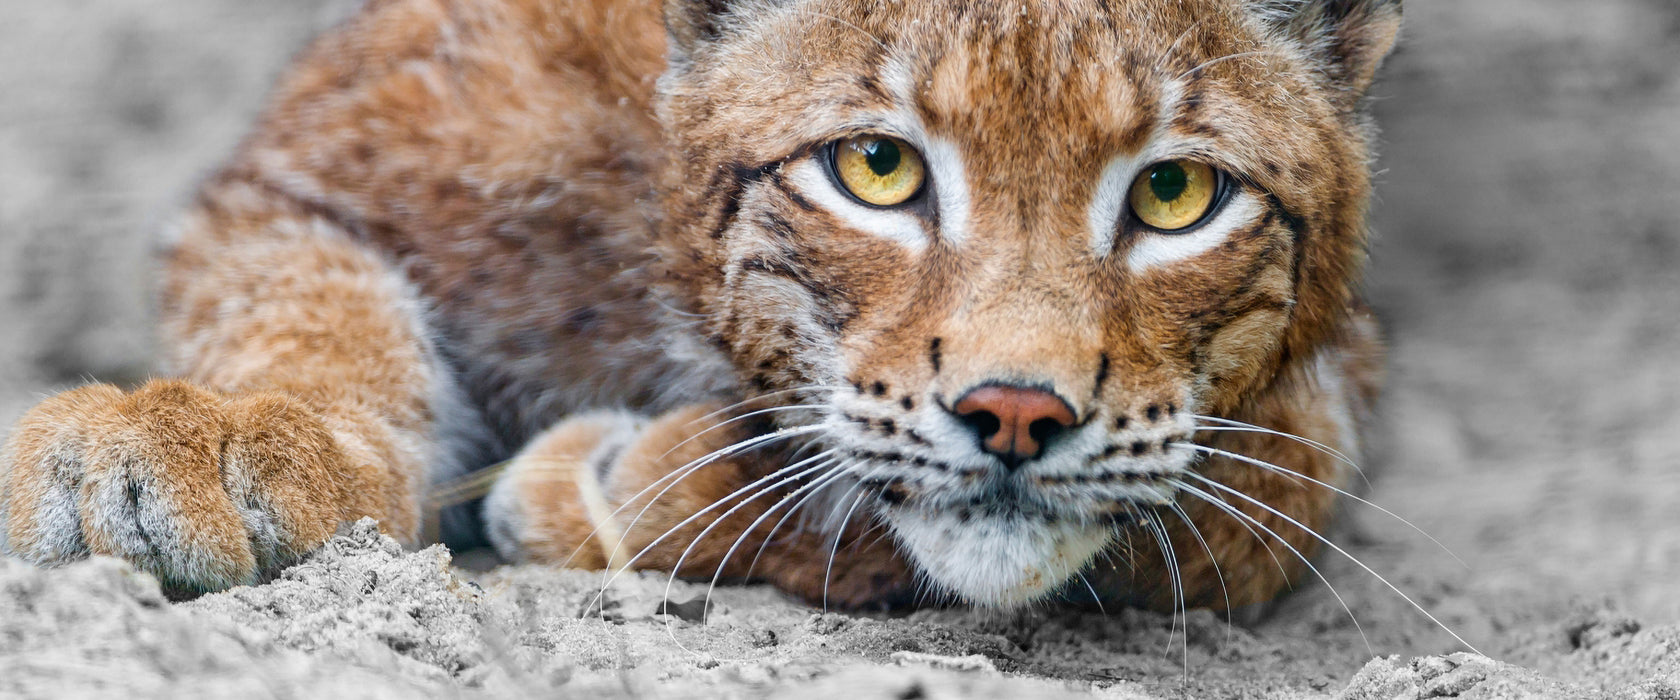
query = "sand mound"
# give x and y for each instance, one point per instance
(362, 618)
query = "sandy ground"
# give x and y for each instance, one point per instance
(1529, 236)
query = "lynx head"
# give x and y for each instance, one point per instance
(1019, 244)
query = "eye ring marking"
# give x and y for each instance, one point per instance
(877, 171)
(1177, 196)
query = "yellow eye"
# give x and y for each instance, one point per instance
(1174, 194)
(879, 170)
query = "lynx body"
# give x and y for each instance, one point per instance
(866, 299)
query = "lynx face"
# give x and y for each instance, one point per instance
(1005, 253)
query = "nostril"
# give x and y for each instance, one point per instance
(1044, 429)
(983, 423)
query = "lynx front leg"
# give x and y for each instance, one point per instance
(302, 403)
(610, 490)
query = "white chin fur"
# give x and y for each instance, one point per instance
(995, 561)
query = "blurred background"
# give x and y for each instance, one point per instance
(1527, 267)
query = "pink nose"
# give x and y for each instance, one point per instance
(1014, 422)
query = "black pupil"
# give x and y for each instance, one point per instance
(883, 156)
(1168, 181)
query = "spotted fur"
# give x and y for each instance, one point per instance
(465, 228)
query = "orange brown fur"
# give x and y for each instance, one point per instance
(870, 572)
(462, 222)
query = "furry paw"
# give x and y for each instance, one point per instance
(548, 505)
(610, 490)
(205, 491)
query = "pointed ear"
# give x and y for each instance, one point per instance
(1350, 37)
(690, 23)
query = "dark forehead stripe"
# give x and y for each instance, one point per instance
(1146, 106)
(1190, 117)
(1018, 83)
(869, 77)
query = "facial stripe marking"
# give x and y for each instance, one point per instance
(833, 307)
(776, 178)
(776, 224)
(1297, 231)
(943, 158)
(735, 180)
(1214, 324)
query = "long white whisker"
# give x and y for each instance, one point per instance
(1131, 549)
(767, 513)
(735, 419)
(720, 424)
(1273, 553)
(1183, 595)
(1339, 550)
(1221, 59)
(672, 579)
(879, 525)
(1297, 475)
(844, 23)
(676, 476)
(1237, 426)
(1224, 591)
(703, 511)
(764, 485)
(711, 458)
(840, 532)
(1173, 47)
(1093, 589)
(755, 413)
(1242, 517)
(780, 392)
(766, 396)
(815, 487)
(1168, 557)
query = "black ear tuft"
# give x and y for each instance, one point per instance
(693, 22)
(1351, 37)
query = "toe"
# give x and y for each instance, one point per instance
(42, 465)
(153, 489)
(279, 469)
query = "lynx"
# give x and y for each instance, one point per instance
(884, 303)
